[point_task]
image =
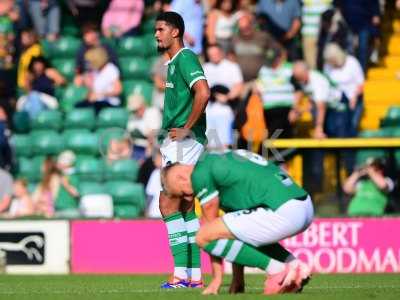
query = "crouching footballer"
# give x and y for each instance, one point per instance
(263, 206)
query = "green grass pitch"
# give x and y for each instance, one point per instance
(132, 287)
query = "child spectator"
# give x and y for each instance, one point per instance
(21, 204)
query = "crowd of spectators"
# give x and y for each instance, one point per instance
(261, 58)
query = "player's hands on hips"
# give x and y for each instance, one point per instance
(213, 287)
(177, 134)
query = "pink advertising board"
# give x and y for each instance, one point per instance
(329, 245)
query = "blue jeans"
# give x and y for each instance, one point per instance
(45, 21)
(363, 47)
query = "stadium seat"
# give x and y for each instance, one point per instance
(105, 135)
(362, 156)
(80, 118)
(82, 142)
(91, 188)
(64, 47)
(147, 26)
(65, 66)
(112, 117)
(21, 122)
(392, 117)
(22, 145)
(90, 169)
(125, 192)
(151, 45)
(127, 211)
(47, 120)
(135, 68)
(30, 169)
(141, 87)
(47, 142)
(132, 46)
(126, 169)
(72, 95)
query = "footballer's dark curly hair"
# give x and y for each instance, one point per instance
(173, 19)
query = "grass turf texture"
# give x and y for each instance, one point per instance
(371, 286)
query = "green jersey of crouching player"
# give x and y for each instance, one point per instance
(242, 180)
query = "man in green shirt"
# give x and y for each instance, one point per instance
(182, 138)
(263, 206)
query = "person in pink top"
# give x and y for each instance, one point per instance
(122, 18)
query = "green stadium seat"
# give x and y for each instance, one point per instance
(47, 120)
(64, 47)
(147, 26)
(132, 46)
(21, 122)
(80, 118)
(47, 142)
(392, 117)
(135, 68)
(112, 117)
(362, 156)
(105, 135)
(91, 188)
(22, 145)
(151, 46)
(90, 169)
(127, 211)
(140, 87)
(72, 95)
(82, 142)
(126, 169)
(126, 193)
(65, 66)
(30, 169)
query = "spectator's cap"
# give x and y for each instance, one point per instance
(66, 158)
(135, 101)
(97, 57)
(174, 19)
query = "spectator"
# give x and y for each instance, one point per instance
(8, 15)
(334, 29)
(86, 11)
(363, 18)
(370, 188)
(153, 188)
(277, 93)
(91, 39)
(30, 49)
(281, 18)
(6, 189)
(143, 125)
(216, 71)
(5, 150)
(47, 190)
(192, 14)
(249, 46)
(45, 15)
(159, 74)
(219, 119)
(66, 203)
(221, 22)
(103, 81)
(346, 72)
(41, 80)
(119, 149)
(21, 204)
(311, 23)
(122, 18)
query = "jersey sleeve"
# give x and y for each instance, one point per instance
(204, 187)
(191, 69)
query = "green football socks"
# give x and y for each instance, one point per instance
(192, 226)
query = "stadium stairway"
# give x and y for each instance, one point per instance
(382, 87)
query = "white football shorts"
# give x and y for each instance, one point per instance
(262, 226)
(186, 151)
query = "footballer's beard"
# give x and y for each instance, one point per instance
(161, 49)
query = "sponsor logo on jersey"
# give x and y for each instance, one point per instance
(196, 72)
(169, 85)
(172, 69)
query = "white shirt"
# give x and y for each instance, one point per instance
(348, 78)
(219, 125)
(153, 189)
(104, 80)
(319, 89)
(225, 73)
(151, 121)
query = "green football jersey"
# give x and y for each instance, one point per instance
(184, 70)
(242, 180)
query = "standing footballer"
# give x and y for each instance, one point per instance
(183, 137)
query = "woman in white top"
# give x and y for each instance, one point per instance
(221, 23)
(103, 81)
(22, 203)
(346, 73)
